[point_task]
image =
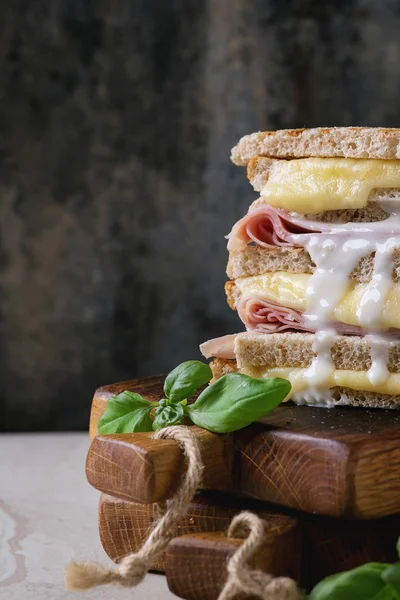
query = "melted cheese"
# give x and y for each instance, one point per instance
(290, 290)
(313, 185)
(286, 289)
(355, 380)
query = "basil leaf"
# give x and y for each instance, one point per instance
(186, 379)
(169, 415)
(126, 413)
(391, 576)
(362, 583)
(235, 401)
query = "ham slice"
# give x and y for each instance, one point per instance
(267, 226)
(267, 317)
(222, 347)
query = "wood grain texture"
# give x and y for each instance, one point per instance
(328, 545)
(137, 467)
(196, 564)
(339, 462)
(124, 525)
(334, 545)
(148, 387)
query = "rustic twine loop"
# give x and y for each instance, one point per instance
(133, 568)
(241, 578)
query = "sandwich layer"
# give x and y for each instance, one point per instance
(260, 168)
(289, 290)
(314, 185)
(346, 142)
(295, 350)
(352, 377)
(269, 227)
(339, 396)
(255, 260)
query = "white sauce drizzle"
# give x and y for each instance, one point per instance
(322, 398)
(379, 349)
(335, 254)
(335, 259)
(374, 297)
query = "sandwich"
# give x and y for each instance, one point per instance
(314, 266)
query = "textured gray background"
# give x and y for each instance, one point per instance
(116, 189)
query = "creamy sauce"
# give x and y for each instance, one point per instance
(317, 397)
(335, 259)
(336, 254)
(374, 297)
(322, 365)
(379, 348)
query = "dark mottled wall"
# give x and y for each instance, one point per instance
(116, 122)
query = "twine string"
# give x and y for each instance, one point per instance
(243, 579)
(133, 568)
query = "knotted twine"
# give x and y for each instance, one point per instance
(241, 578)
(133, 568)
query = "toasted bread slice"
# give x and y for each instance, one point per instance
(254, 260)
(345, 142)
(295, 350)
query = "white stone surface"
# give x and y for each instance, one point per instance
(48, 516)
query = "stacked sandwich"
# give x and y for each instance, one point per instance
(315, 266)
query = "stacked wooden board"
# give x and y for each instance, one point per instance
(326, 482)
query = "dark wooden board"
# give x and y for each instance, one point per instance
(124, 525)
(327, 545)
(337, 462)
(196, 564)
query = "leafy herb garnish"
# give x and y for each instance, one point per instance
(230, 403)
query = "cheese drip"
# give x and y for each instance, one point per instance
(313, 185)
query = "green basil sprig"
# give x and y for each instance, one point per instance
(126, 412)
(186, 379)
(230, 403)
(372, 581)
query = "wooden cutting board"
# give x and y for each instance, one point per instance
(337, 462)
(195, 564)
(306, 547)
(124, 527)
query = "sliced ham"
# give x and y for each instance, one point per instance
(267, 226)
(222, 347)
(271, 318)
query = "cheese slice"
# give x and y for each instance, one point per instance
(355, 380)
(290, 290)
(313, 185)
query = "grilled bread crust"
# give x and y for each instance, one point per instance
(325, 142)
